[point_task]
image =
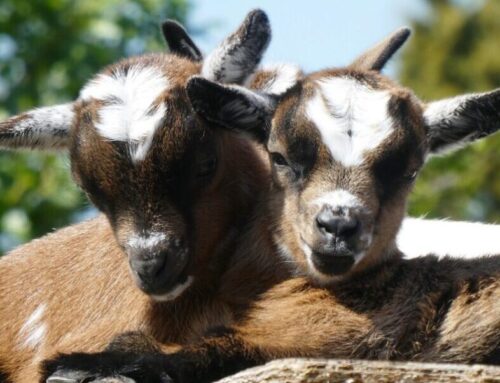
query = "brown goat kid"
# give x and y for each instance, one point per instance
(175, 196)
(346, 146)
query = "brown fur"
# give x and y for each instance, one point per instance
(200, 213)
(386, 308)
(80, 274)
(422, 309)
(393, 310)
(292, 132)
(375, 316)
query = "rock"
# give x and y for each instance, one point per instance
(359, 371)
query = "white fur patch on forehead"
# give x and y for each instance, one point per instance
(130, 114)
(352, 118)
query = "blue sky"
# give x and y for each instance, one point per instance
(312, 33)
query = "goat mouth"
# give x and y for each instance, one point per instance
(335, 260)
(164, 284)
(173, 287)
(333, 264)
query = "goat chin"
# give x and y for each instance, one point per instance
(458, 239)
(175, 292)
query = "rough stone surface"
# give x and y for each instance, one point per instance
(356, 371)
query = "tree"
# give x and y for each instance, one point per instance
(48, 50)
(455, 51)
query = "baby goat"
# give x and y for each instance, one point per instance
(174, 194)
(346, 145)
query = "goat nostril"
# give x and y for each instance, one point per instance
(330, 223)
(150, 269)
(160, 266)
(323, 220)
(348, 227)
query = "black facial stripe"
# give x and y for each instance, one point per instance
(302, 149)
(392, 166)
(389, 170)
(287, 123)
(303, 153)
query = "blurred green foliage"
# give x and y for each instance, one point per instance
(457, 50)
(48, 50)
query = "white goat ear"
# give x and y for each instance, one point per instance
(376, 57)
(455, 122)
(236, 58)
(179, 42)
(232, 107)
(43, 128)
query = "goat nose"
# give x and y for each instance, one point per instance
(340, 226)
(149, 269)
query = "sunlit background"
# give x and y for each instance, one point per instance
(49, 48)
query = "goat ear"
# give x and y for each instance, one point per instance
(231, 107)
(376, 57)
(236, 58)
(179, 42)
(457, 121)
(43, 128)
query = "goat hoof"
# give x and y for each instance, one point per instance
(68, 376)
(114, 379)
(73, 376)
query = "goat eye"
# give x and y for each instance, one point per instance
(207, 167)
(278, 159)
(410, 177)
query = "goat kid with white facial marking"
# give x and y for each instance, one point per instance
(174, 196)
(346, 145)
